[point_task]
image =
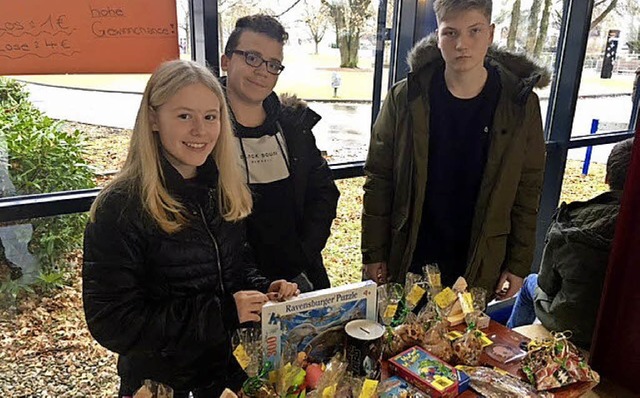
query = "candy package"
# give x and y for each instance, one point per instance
(436, 342)
(152, 389)
(556, 362)
(494, 384)
(468, 348)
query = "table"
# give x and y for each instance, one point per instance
(508, 336)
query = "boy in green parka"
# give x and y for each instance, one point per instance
(456, 160)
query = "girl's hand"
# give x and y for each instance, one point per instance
(249, 304)
(281, 289)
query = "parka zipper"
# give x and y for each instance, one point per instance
(215, 244)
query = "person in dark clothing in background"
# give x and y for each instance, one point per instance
(165, 277)
(295, 197)
(565, 295)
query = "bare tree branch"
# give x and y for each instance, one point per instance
(295, 3)
(604, 13)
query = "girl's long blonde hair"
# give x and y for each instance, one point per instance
(142, 174)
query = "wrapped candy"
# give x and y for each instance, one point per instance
(247, 349)
(468, 348)
(291, 381)
(389, 297)
(152, 389)
(491, 383)
(433, 276)
(415, 288)
(329, 383)
(436, 342)
(556, 362)
(403, 337)
(257, 386)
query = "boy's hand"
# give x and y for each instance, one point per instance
(377, 272)
(508, 285)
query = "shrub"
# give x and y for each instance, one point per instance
(41, 159)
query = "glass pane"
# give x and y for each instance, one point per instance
(611, 60)
(342, 255)
(578, 186)
(46, 348)
(37, 154)
(322, 67)
(98, 106)
(531, 27)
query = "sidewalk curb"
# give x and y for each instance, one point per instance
(331, 100)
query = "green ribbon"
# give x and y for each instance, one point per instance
(252, 385)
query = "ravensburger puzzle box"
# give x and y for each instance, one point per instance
(314, 322)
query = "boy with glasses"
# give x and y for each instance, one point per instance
(295, 197)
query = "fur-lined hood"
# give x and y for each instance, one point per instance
(426, 51)
(296, 110)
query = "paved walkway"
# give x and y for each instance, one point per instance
(343, 131)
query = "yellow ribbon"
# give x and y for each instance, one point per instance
(549, 343)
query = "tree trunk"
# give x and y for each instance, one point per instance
(532, 31)
(353, 51)
(544, 28)
(348, 24)
(349, 44)
(513, 27)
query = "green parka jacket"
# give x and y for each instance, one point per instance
(503, 229)
(574, 265)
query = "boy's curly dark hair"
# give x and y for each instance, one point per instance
(258, 23)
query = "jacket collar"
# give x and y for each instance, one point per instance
(592, 221)
(519, 74)
(296, 112)
(206, 178)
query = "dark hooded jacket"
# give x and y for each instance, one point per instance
(574, 264)
(164, 301)
(305, 209)
(504, 222)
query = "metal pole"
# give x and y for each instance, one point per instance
(203, 17)
(379, 60)
(636, 101)
(587, 156)
(572, 45)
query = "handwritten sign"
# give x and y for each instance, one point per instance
(86, 36)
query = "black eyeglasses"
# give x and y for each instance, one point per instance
(255, 60)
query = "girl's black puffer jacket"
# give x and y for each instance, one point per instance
(164, 301)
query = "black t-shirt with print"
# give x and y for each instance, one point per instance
(271, 227)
